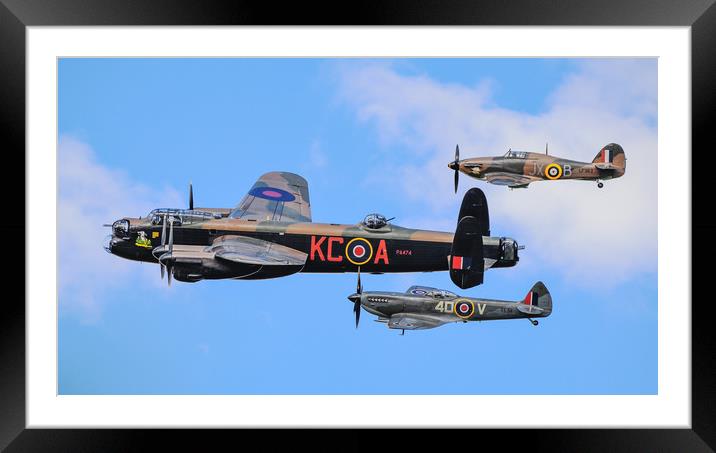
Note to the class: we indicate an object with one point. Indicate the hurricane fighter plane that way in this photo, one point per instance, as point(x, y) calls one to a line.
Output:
point(270, 234)
point(421, 307)
point(517, 169)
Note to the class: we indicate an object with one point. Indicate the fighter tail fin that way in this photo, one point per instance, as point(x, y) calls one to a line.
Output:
point(611, 154)
point(539, 297)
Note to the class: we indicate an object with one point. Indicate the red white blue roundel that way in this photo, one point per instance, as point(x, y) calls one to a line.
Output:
point(359, 251)
point(464, 309)
point(271, 193)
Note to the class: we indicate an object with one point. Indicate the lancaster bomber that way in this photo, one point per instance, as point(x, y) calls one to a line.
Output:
point(517, 169)
point(271, 234)
point(422, 307)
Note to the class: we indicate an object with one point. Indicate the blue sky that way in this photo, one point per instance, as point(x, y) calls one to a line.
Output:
point(368, 135)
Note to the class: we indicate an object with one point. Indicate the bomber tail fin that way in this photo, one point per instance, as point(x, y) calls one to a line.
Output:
point(611, 155)
point(538, 301)
point(474, 204)
point(466, 260)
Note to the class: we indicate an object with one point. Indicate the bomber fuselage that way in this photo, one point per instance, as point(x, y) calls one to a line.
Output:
point(330, 247)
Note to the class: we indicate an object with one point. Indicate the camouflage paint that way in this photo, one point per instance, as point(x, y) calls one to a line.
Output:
point(521, 171)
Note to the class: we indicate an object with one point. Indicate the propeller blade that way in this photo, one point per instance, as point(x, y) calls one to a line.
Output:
point(356, 310)
point(171, 234)
point(456, 166)
point(191, 197)
point(359, 286)
point(164, 230)
point(171, 249)
point(163, 241)
point(356, 300)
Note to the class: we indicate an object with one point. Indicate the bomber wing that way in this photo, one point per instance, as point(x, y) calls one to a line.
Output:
point(247, 250)
point(277, 196)
point(414, 321)
point(244, 257)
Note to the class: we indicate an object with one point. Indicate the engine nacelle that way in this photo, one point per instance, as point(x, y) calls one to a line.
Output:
point(183, 275)
point(509, 252)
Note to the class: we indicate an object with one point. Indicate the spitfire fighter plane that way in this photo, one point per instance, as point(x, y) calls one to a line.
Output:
point(517, 169)
point(271, 234)
point(421, 307)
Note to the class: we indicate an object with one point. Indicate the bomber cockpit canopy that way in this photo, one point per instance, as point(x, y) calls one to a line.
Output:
point(515, 154)
point(435, 293)
point(375, 221)
point(181, 216)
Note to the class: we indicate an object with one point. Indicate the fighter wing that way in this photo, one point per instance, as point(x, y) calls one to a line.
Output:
point(277, 196)
point(246, 250)
point(414, 321)
point(509, 179)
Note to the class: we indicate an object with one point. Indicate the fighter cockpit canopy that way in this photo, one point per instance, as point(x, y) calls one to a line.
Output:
point(375, 221)
point(515, 154)
point(435, 293)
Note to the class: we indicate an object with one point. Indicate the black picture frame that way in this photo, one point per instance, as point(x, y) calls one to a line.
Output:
point(700, 15)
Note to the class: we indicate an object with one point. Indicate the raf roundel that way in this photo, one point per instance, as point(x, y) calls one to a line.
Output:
point(359, 251)
point(272, 193)
point(553, 171)
point(464, 308)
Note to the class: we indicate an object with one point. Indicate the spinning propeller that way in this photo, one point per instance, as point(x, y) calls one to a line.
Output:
point(456, 166)
point(355, 298)
point(166, 259)
point(164, 240)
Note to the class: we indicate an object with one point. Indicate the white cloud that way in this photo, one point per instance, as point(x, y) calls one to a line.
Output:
point(590, 235)
point(626, 86)
point(90, 195)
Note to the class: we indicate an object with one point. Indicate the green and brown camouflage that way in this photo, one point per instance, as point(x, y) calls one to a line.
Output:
point(517, 169)
point(271, 234)
point(422, 307)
